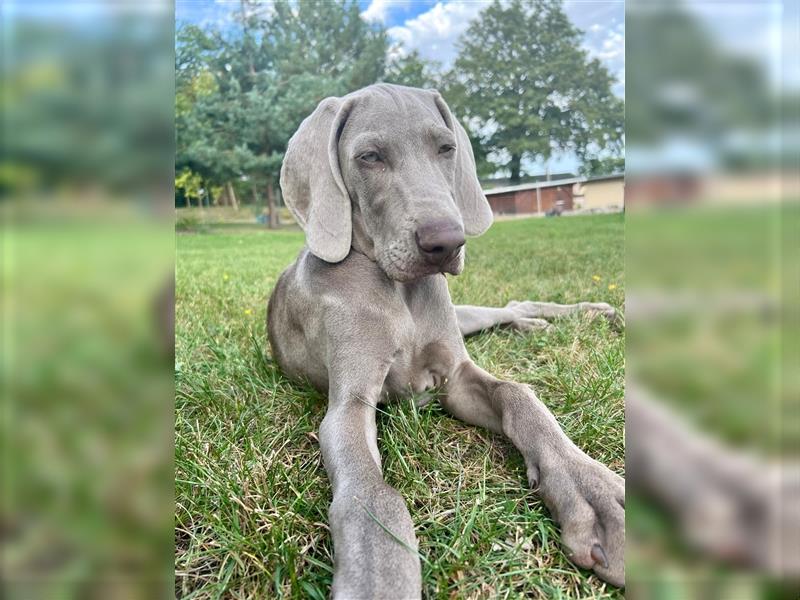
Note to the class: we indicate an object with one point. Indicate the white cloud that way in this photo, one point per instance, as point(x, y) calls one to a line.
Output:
point(434, 33)
point(377, 10)
point(613, 47)
point(607, 43)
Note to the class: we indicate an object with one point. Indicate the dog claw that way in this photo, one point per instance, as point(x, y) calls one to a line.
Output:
point(533, 477)
point(599, 555)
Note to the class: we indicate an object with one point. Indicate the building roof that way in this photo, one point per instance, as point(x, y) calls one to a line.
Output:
point(494, 182)
point(532, 186)
point(604, 177)
point(547, 184)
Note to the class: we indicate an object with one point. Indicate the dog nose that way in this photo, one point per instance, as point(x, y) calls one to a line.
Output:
point(439, 240)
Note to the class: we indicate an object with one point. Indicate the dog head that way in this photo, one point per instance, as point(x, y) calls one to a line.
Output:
point(389, 171)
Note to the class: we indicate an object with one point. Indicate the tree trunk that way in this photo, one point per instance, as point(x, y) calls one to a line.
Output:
point(232, 196)
point(273, 211)
point(515, 166)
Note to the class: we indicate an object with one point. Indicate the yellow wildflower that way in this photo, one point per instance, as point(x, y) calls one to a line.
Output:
point(596, 277)
point(247, 311)
point(612, 286)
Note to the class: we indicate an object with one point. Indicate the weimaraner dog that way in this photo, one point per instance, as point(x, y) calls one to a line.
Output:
point(383, 183)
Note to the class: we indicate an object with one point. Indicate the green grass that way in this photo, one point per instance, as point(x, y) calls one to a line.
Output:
point(87, 417)
point(251, 492)
point(712, 365)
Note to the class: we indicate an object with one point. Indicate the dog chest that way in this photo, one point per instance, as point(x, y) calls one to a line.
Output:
point(430, 343)
point(419, 369)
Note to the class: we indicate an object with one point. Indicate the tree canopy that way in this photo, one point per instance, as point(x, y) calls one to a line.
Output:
point(242, 93)
point(414, 71)
point(683, 83)
point(528, 90)
point(80, 110)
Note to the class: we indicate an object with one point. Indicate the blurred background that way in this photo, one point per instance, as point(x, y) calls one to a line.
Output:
point(105, 104)
point(87, 101)
point(712, 384)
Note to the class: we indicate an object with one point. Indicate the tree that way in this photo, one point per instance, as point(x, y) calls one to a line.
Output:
point(683, 83)
point(190, 185)
point(196, 88)
point(318, 49)
point(269, 74)
point(414, 71)
point(528, 90)
point(603, 166)
point(80, 110)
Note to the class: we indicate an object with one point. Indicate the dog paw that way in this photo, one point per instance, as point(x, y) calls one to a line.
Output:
point(752, 520)
point(608, 312)
point(526, 318)
point(588, 501)
point(529, 324)
point(539, 311)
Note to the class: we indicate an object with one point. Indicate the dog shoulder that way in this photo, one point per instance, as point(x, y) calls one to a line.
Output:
point(354, 280)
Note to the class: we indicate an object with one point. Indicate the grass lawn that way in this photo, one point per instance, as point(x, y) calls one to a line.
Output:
point(251, 493)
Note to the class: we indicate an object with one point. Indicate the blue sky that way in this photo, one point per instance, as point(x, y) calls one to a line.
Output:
point(433, 26)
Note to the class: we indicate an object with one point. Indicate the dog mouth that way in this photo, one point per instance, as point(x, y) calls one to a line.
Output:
point(404, 265)
point(454, 263)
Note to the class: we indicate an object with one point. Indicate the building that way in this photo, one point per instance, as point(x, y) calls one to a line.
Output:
point(488, 183)
point(532, 198)
point(600, 193)
point(605, 193)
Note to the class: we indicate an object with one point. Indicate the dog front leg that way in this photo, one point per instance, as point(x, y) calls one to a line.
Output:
point(375, 550)
point(551, 310)
point(474, 319)
point(584, 496)
point(528, 316)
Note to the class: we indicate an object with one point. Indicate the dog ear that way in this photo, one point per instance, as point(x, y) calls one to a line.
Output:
point(312, 184)
point(471, 201)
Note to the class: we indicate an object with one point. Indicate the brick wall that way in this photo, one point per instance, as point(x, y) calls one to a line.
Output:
point(524, 201)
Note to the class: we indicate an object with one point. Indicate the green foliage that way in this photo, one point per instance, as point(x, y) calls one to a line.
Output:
point(603, 166)
point(414, 71)
point(528, 90)
point(189, 183)
point(681, 83)
point(326, 41)
point(193, 78)
point(189, 221)
point(86, 110)
point(242, 95)
point(201, 85)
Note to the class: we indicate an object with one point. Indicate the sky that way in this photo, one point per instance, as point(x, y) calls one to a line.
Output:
point(763, 31)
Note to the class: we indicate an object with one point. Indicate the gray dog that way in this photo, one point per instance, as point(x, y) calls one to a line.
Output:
point(383, 183)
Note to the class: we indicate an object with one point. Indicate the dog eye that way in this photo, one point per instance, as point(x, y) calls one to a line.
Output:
point(370, 157)
point(446, 148)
